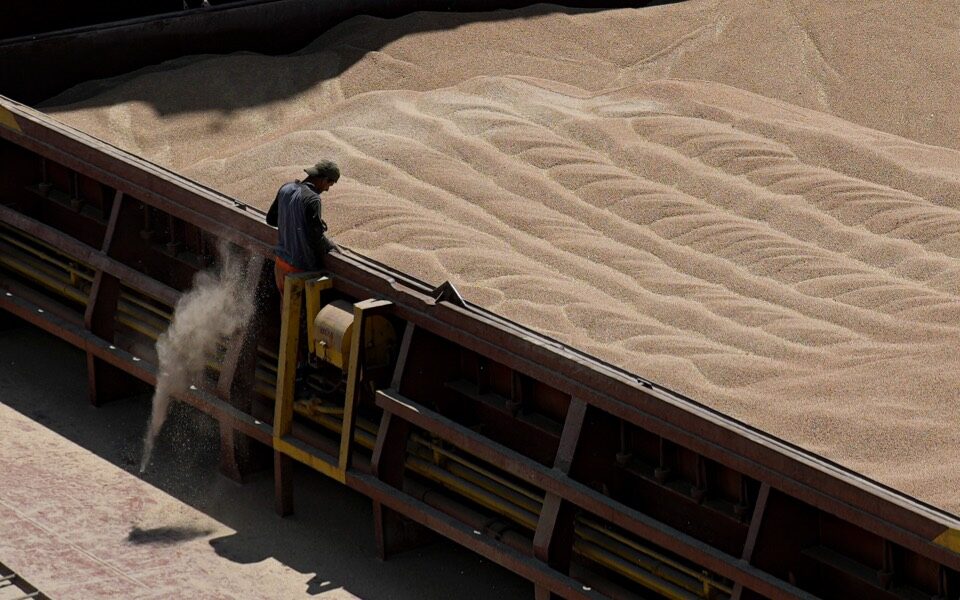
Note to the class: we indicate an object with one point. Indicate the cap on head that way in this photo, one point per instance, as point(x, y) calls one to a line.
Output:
point(325, 169)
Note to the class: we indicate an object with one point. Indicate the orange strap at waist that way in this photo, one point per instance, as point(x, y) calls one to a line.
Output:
point(285, 266)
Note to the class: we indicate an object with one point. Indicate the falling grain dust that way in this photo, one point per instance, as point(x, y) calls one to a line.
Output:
point(217, 306)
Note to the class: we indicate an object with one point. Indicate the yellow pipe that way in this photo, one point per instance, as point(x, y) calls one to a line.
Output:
point(154, 324)
point(45, 279)
point(589, 523)
point(665, 569)
point(475, 493)
point(163, 314)
point(86, 274)
point(475, 475)
point(265, 377)
point(618, 565)
point(456, 457)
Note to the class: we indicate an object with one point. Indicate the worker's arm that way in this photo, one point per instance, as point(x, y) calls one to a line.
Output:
point(317, 226)
point(272, 213)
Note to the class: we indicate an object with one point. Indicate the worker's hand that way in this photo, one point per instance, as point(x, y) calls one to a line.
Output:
point(330, 246)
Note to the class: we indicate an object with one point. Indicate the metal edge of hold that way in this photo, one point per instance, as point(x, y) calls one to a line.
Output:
point(949, 539)
point(8, 120)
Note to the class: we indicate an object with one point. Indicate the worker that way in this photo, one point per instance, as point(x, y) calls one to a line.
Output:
point(295, 212)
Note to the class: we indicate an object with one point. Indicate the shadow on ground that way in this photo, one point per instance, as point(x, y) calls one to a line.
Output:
point(166, 535)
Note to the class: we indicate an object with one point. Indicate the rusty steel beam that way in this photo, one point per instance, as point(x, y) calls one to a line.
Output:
point(236, 380)
point(393, 532)
point(759, 512)
point(553, 539)
point(104, 381)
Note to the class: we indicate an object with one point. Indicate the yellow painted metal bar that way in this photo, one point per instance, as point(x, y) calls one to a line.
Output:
point(662, 567)
point(146, 318)
point(307, 410)
point(311, 460)
point(8, 120)
point(314, 287)
point(361, 310)
point(362, 437)
point(473, 492)
point(45, 278)
point(287, 364)
point(950, 539)
point(600, 529)
point(159, 312)
point(494, 487)
point(353, 384)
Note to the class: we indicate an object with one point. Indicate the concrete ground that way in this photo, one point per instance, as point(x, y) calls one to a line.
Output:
point(78, 522)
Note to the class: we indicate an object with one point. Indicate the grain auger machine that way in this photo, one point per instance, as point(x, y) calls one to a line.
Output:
point(334, 355)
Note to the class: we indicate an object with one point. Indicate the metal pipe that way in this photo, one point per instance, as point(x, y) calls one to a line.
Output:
point(65, 265)
point(597, 527)
point(662, 567)
point(618, 565)
point(41, 275)
point(479, 521)
point(468, 490)
point(456, 457)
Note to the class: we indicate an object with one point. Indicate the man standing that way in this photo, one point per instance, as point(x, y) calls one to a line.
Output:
point(295, 212)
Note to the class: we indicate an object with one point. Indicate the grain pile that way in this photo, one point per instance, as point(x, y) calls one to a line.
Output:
point(756, 204)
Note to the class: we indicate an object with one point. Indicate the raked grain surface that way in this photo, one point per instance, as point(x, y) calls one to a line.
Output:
point(756, 204)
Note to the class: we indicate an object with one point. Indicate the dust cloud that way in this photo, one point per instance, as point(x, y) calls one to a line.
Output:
point(218, 306)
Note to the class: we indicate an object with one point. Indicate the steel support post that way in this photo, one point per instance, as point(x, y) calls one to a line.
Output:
point(291, 307)
point(739, 592)
point(361, 311)
point(553, 539)
point(106, 382)
point(394, 532)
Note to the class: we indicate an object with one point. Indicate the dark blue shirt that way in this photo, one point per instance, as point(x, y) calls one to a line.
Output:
point(296, 214)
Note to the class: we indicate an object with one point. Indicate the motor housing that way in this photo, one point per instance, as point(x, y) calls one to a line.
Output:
point(333, 333)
